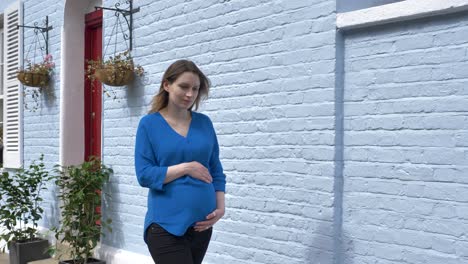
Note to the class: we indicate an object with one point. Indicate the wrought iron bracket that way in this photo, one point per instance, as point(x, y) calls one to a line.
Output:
point(125, 12)
point(41, 30)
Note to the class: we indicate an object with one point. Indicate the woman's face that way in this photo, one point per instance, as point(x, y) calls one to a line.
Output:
point(184, 90)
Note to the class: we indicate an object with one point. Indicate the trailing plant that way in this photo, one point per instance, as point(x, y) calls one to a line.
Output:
point(20, 200)
point(80, 194)
point(118, 70)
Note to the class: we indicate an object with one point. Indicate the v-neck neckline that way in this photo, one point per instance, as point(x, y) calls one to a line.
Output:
point(175, 131)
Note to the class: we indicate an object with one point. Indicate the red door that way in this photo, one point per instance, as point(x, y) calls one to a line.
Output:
point(93, 93)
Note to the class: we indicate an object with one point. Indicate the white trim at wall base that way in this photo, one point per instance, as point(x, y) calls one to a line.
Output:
point(107, 253)
point(396, 12)
point(119, 256)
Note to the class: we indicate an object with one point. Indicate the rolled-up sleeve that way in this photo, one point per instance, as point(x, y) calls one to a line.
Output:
point(148, 173)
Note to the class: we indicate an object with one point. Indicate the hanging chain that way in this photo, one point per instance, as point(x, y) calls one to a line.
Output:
point(118, 28)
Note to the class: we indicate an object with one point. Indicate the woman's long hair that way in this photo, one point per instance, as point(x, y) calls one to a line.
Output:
point(161, 99)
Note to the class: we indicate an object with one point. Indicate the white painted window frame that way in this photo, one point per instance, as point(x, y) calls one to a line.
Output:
point(397, 12)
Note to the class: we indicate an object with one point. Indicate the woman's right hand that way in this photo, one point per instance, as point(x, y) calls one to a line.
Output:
point(198, 171)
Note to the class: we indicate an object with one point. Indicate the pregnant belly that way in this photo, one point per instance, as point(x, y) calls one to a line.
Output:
point(186, 199)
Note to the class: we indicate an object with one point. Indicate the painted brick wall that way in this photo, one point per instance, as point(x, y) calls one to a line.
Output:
point(41, 127)
point(272, 104)
point(273, 68)
point(405, 138)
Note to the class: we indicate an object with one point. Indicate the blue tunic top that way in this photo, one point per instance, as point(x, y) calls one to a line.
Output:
point(179, 204)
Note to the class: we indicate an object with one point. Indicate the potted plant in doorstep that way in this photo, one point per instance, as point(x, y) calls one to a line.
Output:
point(20, 211)
point(81, 222)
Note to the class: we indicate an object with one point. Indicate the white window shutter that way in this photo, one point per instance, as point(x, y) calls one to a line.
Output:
point(12, 95)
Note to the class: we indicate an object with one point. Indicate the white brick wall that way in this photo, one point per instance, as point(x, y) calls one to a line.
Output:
point(405, 142)
point(41, 128)
point(273, 67)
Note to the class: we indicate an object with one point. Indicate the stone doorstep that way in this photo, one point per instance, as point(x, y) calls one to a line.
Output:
point(65, 256)
point(5, 260)
point(45, 261)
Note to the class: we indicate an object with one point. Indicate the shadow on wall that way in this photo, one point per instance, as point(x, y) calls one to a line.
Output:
point(52, 215)
point(115, 238)
point(348, 249)
point(135, 95)
point(50, 97)
point(321, 249)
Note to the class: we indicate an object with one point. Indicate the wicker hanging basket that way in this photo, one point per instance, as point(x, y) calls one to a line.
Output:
point(114, 77)
point(33, 79)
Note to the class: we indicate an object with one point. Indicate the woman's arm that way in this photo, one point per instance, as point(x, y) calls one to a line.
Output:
point(148, 173)
point(220, 202)
point(214, 216)
point(194, 169)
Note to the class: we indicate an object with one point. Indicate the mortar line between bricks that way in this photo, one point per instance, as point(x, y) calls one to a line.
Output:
point(393, 85)
point(414, 98)
point(419, 66)
point(399, 196)
point(356, 40)
point(417, 232)
point(415, 114)
point(266, 45)
point(415, 51)
point(338, 185)
point(304, 204)
point(262, 187)
point(241, 10)
point(245, 34)
point(402, 52)
point(405, 130)
point(404, 181)
point(426, 251)
point(276, 215)
point(249, 236)
point(406, 164)
point(373, 213)
point(399, 147)
point(300, 92)
point(270, 239)
point(254, 249)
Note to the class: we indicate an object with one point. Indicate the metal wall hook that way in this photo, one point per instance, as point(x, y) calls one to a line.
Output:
point(125, 12)
point(41, 30)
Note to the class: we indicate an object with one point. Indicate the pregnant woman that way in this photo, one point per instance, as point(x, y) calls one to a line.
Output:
point(177, 158)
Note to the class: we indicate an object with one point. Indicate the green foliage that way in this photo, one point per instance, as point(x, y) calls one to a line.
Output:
point(80, 192)
point(20, 202)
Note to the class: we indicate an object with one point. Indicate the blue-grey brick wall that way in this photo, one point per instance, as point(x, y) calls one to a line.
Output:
point(272, 68)
point(405, 142)
point(41, 127)
point(338, 149)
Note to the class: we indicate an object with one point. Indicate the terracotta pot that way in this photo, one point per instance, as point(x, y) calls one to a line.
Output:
point(114, 78)
point(33, 79)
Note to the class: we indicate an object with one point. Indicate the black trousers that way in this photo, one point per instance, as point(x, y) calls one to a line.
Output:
point(165, 248)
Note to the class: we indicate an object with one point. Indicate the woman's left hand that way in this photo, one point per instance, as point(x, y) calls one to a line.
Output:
point(211, 219)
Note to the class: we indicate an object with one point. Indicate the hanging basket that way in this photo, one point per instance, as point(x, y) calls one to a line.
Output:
point(114, 77)
point(33, 79)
